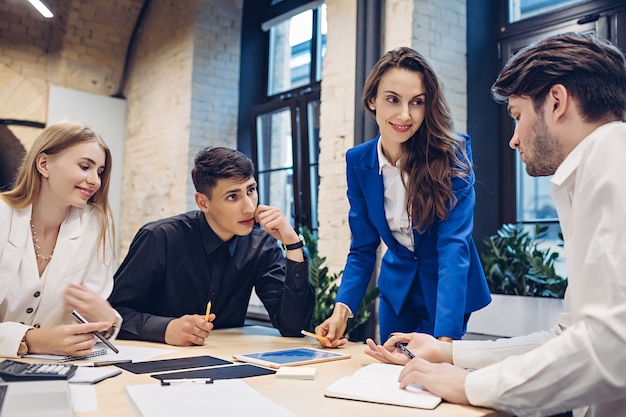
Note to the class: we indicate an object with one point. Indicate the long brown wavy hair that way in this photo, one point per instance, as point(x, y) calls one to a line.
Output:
point(53, 140)
point(435, 153)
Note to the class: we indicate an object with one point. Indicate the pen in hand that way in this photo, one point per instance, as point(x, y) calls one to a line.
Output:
point(316, 336)
point(96, 333)
point(208, 311)
point(404, 350)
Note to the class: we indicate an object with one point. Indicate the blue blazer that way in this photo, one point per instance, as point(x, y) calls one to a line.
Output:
point(444, 260)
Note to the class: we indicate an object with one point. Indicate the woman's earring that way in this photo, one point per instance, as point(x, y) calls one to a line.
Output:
point(372, 108)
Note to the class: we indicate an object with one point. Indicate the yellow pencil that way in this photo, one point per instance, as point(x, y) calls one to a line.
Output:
point(316, 336)
point(208, 311)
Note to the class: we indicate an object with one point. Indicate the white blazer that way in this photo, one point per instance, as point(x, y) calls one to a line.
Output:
point(27, 301)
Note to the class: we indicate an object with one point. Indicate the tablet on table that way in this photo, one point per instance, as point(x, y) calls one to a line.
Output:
point(291, 357)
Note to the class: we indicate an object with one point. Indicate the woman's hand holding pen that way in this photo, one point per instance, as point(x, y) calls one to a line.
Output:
point(189, 330)
point(419, 344)
point(333, 328)
point(69, 339)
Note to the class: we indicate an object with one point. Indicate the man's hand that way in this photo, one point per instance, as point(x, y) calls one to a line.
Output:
point(188, 330)
point(276, 224)
point(420, 344)
point(442, 379)
point(334, 327)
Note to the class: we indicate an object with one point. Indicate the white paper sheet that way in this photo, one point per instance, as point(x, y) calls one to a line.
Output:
point(222, 398)
point(83, 397)
point(86, 375)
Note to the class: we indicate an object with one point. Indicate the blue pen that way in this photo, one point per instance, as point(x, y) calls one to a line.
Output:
point(403, 348)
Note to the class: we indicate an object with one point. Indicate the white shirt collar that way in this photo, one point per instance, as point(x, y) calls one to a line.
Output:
point(382, 159)
point(571, 161)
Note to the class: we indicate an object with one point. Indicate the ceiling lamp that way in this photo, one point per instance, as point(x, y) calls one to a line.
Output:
point(41, 8)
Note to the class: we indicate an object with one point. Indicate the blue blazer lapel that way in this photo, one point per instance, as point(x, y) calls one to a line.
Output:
point(372, 181)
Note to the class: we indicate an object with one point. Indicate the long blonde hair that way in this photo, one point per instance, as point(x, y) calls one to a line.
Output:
point(53, 140)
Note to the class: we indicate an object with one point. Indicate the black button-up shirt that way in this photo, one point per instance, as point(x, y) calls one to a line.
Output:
point(176, 265)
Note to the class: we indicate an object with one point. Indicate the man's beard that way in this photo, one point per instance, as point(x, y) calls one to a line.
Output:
point(545, 151)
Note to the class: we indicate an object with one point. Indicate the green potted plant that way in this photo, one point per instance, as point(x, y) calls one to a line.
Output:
point(326, 286)
point(527, 292)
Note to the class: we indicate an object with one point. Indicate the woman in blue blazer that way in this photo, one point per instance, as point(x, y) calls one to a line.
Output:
point(413, 187)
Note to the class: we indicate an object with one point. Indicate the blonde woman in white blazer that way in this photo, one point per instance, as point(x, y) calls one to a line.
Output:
point(56, 246)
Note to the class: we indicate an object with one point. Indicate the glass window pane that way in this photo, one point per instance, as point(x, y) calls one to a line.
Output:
point(290, 53)
point(274, 140)
point(523, 9)
point(275, 160)
point(276, 189)
point(313, 114)
point(534, 201)
point(321, 42)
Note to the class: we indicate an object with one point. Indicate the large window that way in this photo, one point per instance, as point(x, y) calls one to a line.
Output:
point(524, 9)
point(286, 124)
point(533, 201)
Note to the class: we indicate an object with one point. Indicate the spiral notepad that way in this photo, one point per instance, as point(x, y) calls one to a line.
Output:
point(98, 350)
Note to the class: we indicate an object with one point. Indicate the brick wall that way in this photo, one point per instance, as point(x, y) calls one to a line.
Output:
point(215, 80)
point(439, 33)
point(23, 63)
point(182, 95)
point(83, 51)
point(399, 16)
point(336, 131)
point(158, 95)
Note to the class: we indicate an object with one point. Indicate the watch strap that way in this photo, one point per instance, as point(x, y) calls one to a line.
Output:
point(299, 244)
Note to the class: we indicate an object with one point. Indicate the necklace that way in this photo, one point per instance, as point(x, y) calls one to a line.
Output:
point(36, 244)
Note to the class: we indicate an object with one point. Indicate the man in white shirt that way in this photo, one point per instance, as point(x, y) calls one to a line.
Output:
point(567, 94)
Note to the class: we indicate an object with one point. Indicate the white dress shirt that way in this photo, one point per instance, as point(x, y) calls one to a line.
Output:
point(395, 200)
point(581, 364)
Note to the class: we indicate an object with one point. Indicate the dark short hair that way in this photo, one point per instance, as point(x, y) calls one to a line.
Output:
point(214, 163)
point(591, 69)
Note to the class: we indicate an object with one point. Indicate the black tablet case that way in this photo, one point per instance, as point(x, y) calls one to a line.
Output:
point(172, 364)
point(220, 372)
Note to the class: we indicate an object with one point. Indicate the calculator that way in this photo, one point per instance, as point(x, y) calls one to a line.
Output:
point(11, 370)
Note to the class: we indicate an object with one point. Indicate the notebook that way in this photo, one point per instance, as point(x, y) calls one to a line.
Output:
point(378, 383)
point(98, 350)
point(35, 399)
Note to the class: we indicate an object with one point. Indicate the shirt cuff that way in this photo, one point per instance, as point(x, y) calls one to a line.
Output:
point(346, 306)
point(481, 386)
point(113, 331)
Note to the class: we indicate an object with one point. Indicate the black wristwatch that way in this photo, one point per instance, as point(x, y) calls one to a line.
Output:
point(300, 243)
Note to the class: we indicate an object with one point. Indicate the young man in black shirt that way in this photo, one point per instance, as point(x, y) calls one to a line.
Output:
point(218, 253)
